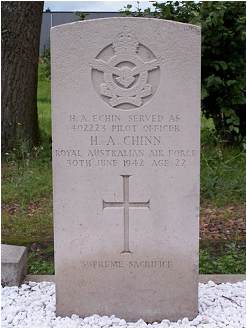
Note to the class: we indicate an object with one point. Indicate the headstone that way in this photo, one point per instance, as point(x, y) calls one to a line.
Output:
point(13, 264)
point(126, 123)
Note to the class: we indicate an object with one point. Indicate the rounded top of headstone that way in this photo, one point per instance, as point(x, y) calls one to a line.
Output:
point(115, 20)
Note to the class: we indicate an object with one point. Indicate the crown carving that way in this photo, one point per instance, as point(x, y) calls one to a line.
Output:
point(125, 42)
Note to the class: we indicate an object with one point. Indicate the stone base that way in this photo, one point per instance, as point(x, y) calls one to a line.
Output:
point(203, 278)
point(13, 264)
point(221, 278)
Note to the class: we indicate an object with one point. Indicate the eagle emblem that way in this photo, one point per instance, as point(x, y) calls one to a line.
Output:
point(126, 73)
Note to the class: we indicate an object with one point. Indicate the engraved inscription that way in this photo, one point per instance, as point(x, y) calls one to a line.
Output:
point(127, 140)
point(126, 204)
point(125, 82)
point(132, 264)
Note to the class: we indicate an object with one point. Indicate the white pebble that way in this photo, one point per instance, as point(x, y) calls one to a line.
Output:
point(33, 305)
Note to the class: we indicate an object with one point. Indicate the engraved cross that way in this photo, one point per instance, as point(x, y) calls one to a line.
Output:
point(126, 204)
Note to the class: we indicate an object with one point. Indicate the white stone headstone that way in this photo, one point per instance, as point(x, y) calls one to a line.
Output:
point(126, 130)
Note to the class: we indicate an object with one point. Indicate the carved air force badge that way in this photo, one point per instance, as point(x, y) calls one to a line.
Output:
point(125, 73)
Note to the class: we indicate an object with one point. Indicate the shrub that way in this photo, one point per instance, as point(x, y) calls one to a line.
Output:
point(223, 58)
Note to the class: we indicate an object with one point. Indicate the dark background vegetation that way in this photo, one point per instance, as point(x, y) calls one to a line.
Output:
point(26, 166)
point(223, 57)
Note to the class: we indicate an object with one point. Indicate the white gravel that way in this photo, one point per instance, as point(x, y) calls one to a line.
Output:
point(33, 305)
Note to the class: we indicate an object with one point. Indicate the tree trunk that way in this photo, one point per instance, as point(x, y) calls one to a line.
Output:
point(21, 24)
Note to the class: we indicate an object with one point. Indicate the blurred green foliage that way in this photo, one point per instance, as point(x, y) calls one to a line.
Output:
point(223, 66)
point(223, 57)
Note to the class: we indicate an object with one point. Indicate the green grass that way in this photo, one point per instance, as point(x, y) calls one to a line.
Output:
point(27, 184)
point(226, 258)
point(222, 174)
point(44, 104)
point(27, 193)
point(27, 215)
point(41, 261)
